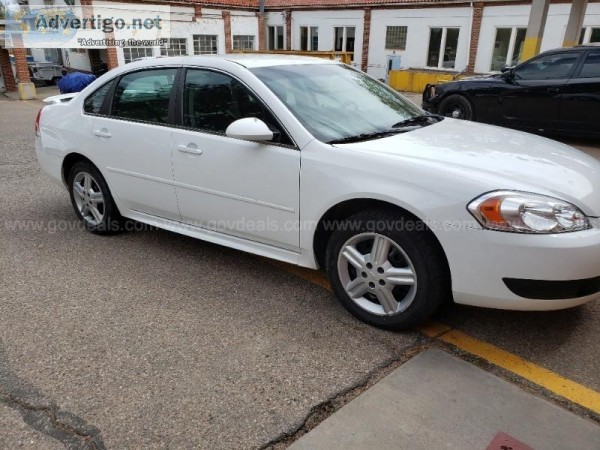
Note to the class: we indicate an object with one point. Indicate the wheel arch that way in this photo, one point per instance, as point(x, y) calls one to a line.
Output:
point(347, 208)
point(70, 160)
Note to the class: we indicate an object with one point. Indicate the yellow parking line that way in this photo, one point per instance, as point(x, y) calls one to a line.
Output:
point(541, 376)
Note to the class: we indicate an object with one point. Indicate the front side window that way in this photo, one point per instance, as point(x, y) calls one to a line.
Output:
point(334, 101)
point(549, 67)
point(205, 44)
point(591, 66)
point(443, 45)
point(243, 42)
point(144, 95)
point(93, 103)
point(213, 100)
point(395, 38)
point(275, 38)
point(174, 47)
point(508, 47)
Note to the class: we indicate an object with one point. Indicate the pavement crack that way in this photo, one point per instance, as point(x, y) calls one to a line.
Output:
point(323, 410)
point(44, 415)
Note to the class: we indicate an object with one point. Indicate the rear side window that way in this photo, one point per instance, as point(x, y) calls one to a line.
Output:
point(93, 104)
point(144, 96)
point(591, 66)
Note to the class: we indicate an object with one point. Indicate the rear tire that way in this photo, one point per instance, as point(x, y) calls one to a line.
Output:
point(457, 107)
point(92, 200)
point(387, 269)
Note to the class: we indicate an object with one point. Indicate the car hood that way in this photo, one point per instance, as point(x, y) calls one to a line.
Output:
point(492, 158)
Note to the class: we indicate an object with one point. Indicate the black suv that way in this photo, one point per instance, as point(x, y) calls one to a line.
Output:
point(556, 92)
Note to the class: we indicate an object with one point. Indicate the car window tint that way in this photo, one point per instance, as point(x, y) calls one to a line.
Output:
point(549, 67)
point(591, 66)
point(212, 101)
point(144, 95)
point(93, 103)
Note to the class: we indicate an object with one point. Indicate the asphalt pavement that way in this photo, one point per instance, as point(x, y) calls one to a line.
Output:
point(152, 339)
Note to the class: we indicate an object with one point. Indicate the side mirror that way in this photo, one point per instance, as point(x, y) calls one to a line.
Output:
point(505, 68)
point(249, 129)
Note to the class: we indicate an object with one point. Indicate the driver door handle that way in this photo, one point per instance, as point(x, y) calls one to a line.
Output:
point(190, 150)
point(553, 90)
point(103, 133)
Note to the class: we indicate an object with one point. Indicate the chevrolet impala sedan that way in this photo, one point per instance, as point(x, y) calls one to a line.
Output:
point(314, 163)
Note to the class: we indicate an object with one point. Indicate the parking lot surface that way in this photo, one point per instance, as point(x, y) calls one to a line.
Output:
point(152, 339)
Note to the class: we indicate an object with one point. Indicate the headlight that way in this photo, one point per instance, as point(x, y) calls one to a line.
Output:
point(432, 91)
point(521, 212)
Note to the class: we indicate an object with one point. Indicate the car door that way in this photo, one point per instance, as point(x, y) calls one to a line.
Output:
point(132, 141)
point(532, 99)
point(236, 187)
point(580, 99)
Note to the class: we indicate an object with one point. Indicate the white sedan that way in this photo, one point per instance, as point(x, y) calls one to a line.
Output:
point(314, 163)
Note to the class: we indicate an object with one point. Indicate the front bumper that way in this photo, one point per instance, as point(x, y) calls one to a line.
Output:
point(555, 271)
point(429, 107)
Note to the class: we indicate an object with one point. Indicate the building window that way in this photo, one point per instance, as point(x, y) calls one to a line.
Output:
point(395, 38)
point(309, 38)
point(508, 47)
point(344, 39)
point(133, 53)
point(443, 44)
point(205, 44)
point(275, 37)
point(243, 42)
point(174, 47)
point(589, 35)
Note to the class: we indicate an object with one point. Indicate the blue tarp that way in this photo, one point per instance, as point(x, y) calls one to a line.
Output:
point(74, 82)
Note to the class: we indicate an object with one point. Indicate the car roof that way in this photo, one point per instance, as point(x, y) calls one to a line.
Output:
point(248, 60)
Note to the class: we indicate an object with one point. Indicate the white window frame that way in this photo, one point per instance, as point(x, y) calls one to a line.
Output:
point(511, 44)
point(181, 45)
point(274, 44)
point(442, 49)
point(401, 47)
point(238, 36)
point(196, 44)
point(345, 36)
point(137, 49)
point(309, 37)
point(587, 35)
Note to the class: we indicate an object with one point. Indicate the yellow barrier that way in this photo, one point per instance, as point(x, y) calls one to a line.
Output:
point(345, 57)
point(416, 80)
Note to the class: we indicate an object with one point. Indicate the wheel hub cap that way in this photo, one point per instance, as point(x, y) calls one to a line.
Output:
point(377, 274)
point(88, 198)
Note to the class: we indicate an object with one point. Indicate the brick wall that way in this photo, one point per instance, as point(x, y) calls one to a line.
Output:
point(288, 29)
point(111, 54)
point(261, 32)
point(366, 37)
point(475, 32)
point(197, 12)
point(6, 70)
point(227, 29)
point(21, 65)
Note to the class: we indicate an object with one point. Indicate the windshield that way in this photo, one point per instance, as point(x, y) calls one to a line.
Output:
point(335, 102)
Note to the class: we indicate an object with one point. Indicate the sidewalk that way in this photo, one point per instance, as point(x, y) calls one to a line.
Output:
point(438, 401)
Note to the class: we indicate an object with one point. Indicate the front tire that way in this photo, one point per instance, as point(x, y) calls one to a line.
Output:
point(387, 270)
point(457, 107)
point(92, 200)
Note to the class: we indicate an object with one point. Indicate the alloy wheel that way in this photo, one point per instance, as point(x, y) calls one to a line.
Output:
point(377, 274)
point(88, 198)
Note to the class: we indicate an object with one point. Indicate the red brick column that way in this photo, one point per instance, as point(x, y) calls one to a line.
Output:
point(288, 29)
point(261, 32)
point(227, 31)
point(21, 65)
point(475, 32)
point(366, 36)
point(197, 12)
point(111, 53)
point(6, 71)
